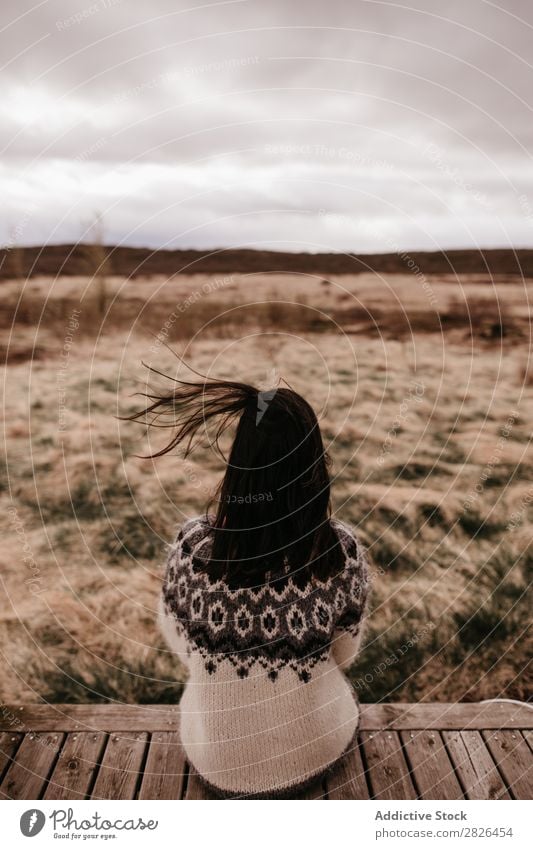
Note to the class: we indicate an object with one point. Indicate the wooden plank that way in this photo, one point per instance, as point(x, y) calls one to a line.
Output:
point(514, 760)
point(164, 772)
point(348, 781)
point(9, 744)
point(76, 766)
point(34, 761)
point(121, 768)
point(387, 771)
point(396, 716)
point(87, 717)
point(528, 736)
point(474, 765)
point(431, 768)
point(196, 789)
point(440, 715)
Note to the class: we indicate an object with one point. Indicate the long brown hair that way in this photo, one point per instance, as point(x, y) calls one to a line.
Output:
point(273, 503)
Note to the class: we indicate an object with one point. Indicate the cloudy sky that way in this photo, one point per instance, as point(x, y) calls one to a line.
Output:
point(304, 125)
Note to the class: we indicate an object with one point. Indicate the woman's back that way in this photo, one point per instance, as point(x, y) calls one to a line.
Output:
point(267, 707)
point(263, 601)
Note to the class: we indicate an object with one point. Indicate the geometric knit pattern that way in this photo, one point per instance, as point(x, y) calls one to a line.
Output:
point(287, 622)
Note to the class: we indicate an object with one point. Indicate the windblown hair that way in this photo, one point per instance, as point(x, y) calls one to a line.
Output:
point(273, 503)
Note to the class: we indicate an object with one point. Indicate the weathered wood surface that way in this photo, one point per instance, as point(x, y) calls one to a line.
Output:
point(423, 751)
point(89, 718)
point(9, 743)
point(388, 771)
point(31, 766)
point(513, 758)
point(431, 768)
point(396, 716)
point(474, 765)
point(77, 766)
point(121, 771)
point(165, 770)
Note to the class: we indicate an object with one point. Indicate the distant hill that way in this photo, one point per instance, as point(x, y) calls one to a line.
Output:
point(134, 262)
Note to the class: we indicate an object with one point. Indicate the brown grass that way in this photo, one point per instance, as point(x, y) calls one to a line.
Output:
point(394, 308)
point(91, 521)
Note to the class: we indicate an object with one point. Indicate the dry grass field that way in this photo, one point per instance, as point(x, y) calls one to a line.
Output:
point(424, 392)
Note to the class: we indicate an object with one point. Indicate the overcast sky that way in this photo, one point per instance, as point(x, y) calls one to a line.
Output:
point(303, 125)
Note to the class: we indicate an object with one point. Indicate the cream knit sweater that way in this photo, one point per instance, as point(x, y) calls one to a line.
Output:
point(267, 707)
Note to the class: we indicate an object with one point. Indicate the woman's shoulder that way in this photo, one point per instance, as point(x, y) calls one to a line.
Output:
point(197, 525)
point(355, 578)
point(356, 571)
point(350, 543)
point(192, 534)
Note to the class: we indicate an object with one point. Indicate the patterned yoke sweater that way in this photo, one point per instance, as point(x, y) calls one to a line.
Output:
point(267, 708)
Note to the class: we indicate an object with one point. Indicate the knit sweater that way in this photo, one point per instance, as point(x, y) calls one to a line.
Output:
point(267, 707)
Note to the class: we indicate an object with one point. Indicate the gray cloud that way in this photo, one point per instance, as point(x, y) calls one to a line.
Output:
point(302, 125)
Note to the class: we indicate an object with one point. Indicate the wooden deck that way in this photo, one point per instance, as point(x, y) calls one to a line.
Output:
point(404, 751)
